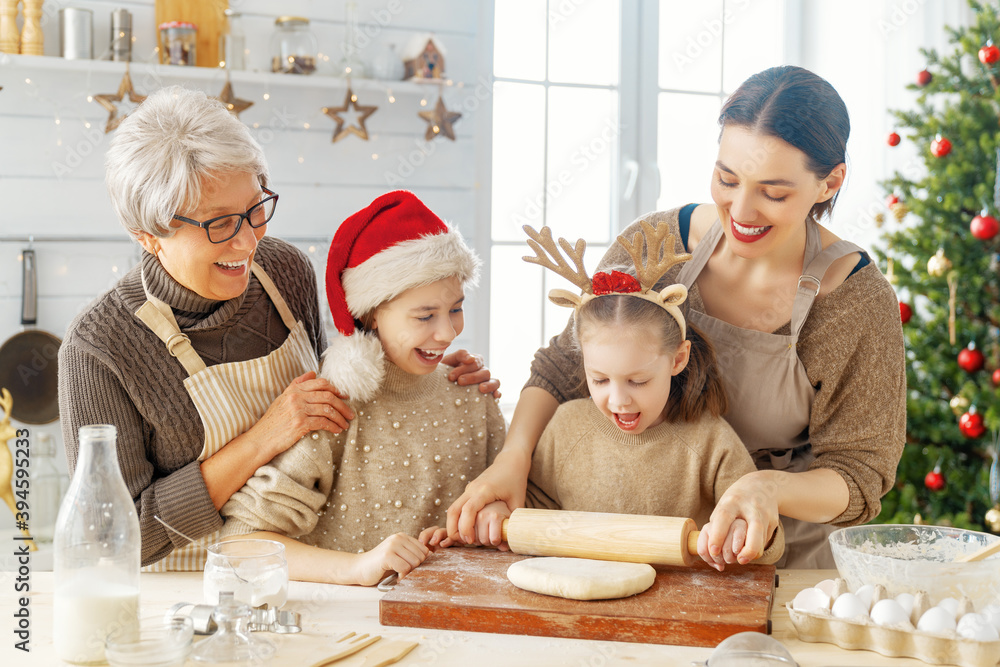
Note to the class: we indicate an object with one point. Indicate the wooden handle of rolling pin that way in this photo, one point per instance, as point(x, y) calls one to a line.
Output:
point(657, 540)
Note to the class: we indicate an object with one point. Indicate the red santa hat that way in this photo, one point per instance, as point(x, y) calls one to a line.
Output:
point(394, 244)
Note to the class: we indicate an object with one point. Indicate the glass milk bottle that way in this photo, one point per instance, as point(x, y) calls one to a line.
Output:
point(96, 553)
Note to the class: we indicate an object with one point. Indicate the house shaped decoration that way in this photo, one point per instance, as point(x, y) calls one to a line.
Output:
point(424, 59)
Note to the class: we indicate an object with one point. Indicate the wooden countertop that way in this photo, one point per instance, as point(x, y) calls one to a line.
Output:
point(329, 611)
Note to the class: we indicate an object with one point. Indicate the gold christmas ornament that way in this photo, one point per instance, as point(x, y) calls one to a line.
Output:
point(362, 111)
point(959, 404)
point(235, 105)
point(439, 121)
point(992, 518)
point(899, 210)
point(108, 101)
point(879, 220)
point(938, 265)
point(952, 299)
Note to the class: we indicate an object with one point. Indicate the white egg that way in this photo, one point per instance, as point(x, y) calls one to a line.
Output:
point(905, 601)
point(827, 586)
point(811, 599)
point(849, 606)
point(950, 605)
point(866, 594)
point(889, 612)
point(936, 620)
point(978, 627)
point(992, 614)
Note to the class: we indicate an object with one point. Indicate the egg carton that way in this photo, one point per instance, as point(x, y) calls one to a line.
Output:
point(898, 641)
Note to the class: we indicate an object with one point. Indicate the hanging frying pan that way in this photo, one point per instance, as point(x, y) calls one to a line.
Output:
point(29, 359)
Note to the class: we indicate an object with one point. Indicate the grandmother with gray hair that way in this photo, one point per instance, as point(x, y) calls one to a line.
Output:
point(204, 355)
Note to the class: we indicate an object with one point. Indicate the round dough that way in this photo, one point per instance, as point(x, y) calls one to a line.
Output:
point(581, 578)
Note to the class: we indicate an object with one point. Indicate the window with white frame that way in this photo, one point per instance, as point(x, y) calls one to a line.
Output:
point(603, 110)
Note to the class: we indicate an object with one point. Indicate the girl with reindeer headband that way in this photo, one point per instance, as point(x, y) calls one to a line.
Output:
point(650, 439)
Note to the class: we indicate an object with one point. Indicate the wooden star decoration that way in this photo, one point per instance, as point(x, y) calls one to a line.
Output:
point(362, 111)
point(108, 101)
point(235, 105)
point(439, 121)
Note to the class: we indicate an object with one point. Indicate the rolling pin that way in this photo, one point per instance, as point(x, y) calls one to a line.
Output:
point(657, 540)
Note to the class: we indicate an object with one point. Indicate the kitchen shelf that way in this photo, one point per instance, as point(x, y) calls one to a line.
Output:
point(34, 65)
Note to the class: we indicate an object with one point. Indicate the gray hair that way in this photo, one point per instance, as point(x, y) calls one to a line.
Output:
point(163, 152)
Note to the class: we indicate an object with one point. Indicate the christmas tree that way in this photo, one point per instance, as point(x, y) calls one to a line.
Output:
point(943, 259)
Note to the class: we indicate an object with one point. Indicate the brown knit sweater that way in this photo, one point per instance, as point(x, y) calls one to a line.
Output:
point(583, 462)
point(852, 349)
point(405, 458)
point(114, 370)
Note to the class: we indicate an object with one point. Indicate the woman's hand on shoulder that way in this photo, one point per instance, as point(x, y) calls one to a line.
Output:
point(309, 403)
point(742, 523)
point(397, 553)
point(470, 369)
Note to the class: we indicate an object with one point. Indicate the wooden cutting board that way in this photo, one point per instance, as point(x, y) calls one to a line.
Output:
point(467, 589)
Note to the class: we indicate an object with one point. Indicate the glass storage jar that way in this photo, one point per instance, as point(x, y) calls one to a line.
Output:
point(293, 46)
point(178, 43)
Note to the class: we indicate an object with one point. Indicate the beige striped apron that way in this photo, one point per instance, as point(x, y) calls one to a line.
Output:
point(770, 395)
point(231, 397)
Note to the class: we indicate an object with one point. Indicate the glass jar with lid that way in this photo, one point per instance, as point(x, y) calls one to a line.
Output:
point(178, 43)
point(293, 46)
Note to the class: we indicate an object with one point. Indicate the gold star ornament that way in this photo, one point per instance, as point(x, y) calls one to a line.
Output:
point(235, 105)
point(109, 102)
point(439, 121)
point(361, 111)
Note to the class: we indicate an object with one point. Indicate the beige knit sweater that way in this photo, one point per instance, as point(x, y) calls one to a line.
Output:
point(583, 462)
point(407, 455)
point(852, 348)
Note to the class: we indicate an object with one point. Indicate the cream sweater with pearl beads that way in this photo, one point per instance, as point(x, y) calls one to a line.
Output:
point(408, 453)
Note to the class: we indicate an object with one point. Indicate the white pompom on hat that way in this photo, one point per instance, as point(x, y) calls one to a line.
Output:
point(394, 244)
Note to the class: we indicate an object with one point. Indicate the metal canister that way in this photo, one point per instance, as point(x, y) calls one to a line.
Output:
point(121, 35)
point(76, 33)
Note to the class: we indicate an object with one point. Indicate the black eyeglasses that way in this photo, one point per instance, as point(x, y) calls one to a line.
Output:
point(225, 227)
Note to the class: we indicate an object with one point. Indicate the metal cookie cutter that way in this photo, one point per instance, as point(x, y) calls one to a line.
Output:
point(261, 619)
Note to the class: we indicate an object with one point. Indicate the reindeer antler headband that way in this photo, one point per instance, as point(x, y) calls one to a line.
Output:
point(659, 259)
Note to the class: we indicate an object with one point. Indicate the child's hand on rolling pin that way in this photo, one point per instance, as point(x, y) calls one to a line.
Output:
point(489, 525)
point(435, 538)
point(734, 547)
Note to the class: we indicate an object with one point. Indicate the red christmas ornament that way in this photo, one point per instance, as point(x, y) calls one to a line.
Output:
point(934, 479)
point(905, 312)
point(989, 54)
point(890, 200)
point(615, 282)
point(894, 139)
point(996, 378)
point(924, 77)
point(940, 147)
point(984, 227)
point(970, 359)
point(971, 424)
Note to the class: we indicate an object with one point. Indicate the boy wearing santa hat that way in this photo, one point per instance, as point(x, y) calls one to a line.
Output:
point(369, 500)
